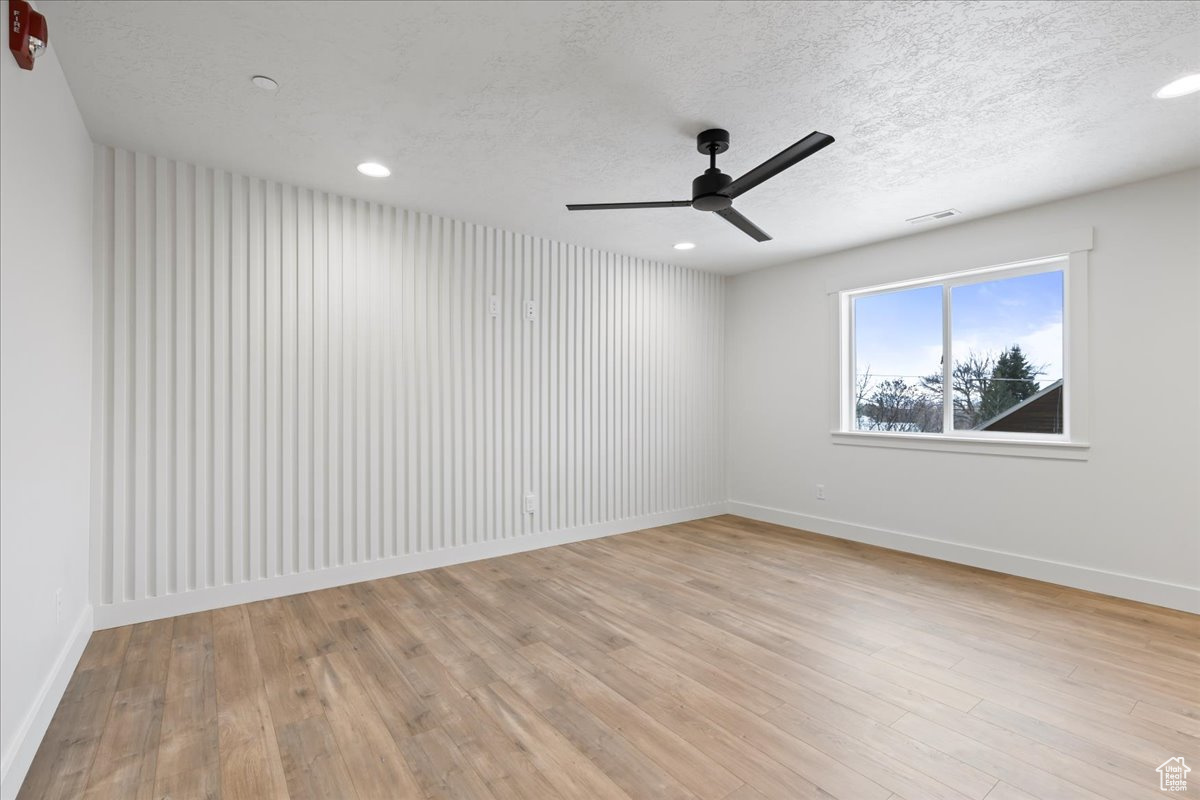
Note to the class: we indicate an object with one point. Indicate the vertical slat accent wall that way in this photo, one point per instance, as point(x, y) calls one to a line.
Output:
point(289, 381)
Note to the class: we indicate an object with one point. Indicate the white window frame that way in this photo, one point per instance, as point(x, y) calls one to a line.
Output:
point(1072, 443)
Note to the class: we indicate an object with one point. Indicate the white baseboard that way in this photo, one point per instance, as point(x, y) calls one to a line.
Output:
point(1130, 587)
point(21, 751)
point(127, 613)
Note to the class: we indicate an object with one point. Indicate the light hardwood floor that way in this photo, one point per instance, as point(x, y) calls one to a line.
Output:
point(720, 659)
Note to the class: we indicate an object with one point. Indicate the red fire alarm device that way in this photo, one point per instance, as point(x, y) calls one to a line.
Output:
point(27, 36)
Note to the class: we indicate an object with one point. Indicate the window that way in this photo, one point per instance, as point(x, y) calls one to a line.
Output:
point(897, 361)
point(1006, 343)
point(979, 356)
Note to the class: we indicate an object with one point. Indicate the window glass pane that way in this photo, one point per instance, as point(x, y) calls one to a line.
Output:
point(1007, 345)
point(898, 361)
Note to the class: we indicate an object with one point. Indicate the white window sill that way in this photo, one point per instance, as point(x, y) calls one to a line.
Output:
point(1019, 448)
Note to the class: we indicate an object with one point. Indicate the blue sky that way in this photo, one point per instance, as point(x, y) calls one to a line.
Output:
point(900, 333)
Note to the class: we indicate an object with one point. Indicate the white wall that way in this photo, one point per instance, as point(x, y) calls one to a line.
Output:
point(1126, 521)
point(299, 389)
point(45, 399)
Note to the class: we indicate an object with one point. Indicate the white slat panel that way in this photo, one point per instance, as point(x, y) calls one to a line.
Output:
point(305, 359)
point(336, 423)
point(389, 353)
point(288, 381)
point(272, 467)
point(179, 371)
point(103, 229)
point(358, 348)
point(491, 397)
point(145, 420)
point(258, 534)
point(552, 382)
point(377, 432)
point(222, 394)
point(320, 385)
point(420, 420)
point(408, 394)
point(122, 320)
point(166, 267)
point(456, 362)
point(201, 438)
point(239, 380)
point(289, 431)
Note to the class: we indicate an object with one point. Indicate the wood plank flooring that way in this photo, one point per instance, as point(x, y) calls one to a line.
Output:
point(723, 659)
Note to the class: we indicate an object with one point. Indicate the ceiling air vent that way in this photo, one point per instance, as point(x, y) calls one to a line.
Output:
point(937, 215)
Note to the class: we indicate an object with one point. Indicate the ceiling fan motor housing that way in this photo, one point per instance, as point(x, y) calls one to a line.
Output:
point(706, 188)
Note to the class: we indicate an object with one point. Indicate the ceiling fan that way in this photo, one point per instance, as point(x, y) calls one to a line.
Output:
point(715, 191)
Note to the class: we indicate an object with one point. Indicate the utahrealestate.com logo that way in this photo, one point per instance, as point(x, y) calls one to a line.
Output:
point(1172, 775)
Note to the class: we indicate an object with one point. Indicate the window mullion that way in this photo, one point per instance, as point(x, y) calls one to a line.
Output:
point(852, 379)
point(947, 365)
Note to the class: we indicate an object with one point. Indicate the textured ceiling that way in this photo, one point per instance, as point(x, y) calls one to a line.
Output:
point(501, 112)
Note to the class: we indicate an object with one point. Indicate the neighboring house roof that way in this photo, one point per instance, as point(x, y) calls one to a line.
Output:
point(1038, 413)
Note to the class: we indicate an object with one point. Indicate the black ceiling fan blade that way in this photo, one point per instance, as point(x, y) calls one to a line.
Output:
point(603, 206)
point(744, 225)
point(778, 163)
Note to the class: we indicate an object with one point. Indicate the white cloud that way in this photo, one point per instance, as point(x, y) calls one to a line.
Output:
point(1045, 347)
point(1042, 346)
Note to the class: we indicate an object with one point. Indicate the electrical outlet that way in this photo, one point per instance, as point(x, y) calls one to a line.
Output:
point(530, 503)
point(494, 306)
point(530, 310)
point(820, 491)
point(58, 605)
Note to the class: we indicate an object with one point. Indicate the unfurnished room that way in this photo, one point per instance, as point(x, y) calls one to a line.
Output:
point(597, 400)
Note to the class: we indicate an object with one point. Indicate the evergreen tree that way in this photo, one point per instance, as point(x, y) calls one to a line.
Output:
point(1013, 379)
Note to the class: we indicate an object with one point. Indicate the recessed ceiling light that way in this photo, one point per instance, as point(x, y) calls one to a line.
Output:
point(1185, 85)
point(264, 83)
point(373, 170)
point(685, 246)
